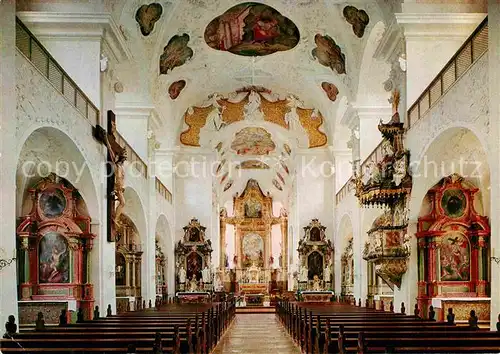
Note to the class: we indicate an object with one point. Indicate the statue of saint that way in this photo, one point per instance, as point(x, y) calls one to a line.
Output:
point(327, 274)
point(316, 284)
point(205, 273)
point(182, 275)
point(303, 274)
point(193, 284)
point(253, 113)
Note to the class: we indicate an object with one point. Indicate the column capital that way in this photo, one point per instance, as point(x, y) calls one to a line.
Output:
point(350, 118)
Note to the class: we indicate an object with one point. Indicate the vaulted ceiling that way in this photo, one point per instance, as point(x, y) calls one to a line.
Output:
point(200, 70)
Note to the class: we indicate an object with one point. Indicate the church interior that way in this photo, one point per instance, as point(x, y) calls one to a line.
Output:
point(221, 176)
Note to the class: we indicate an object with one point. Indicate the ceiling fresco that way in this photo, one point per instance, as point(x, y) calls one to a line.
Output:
point(329, 53)
point(331, 90)
point(253, 141)
point(176, 88)
point(252, 29)
point(253, 165)
point(219, 112)
point(176, 53)
point(146, 16)
point(359, 19)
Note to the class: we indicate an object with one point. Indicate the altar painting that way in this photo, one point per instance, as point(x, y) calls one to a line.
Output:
point(253, 209)
point(52, 203)
point(315, 265)
point(253, 250)
point(455, 257)
point(194, 263)
point(54, 259)
point(252, 29)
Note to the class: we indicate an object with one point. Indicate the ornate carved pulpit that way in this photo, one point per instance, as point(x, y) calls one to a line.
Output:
point(388, 184)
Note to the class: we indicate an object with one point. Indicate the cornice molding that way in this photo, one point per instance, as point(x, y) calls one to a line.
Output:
point(78, 26)
point(136, 110)
point(450, 26)
point(373, 112)
point(391, 43)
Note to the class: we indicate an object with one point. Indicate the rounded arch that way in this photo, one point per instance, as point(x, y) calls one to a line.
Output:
point(373, 72)
point(164, 235)
point(48, 150)
point(134, 209)
point(455, 150)
point(345, 231)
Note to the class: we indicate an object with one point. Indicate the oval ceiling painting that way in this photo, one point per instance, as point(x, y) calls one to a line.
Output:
point(252, 29)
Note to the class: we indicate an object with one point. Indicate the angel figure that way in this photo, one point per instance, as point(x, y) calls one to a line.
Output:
point(252, 109)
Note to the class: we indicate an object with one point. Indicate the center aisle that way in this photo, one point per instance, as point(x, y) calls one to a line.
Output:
point(256, 333)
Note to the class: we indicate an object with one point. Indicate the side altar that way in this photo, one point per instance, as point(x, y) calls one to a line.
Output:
point(193, 260)
point(315, 259)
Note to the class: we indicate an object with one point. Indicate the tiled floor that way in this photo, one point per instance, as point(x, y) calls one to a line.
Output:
point(256, 334)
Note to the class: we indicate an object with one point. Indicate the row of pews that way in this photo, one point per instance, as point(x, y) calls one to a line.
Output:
point(167, 328)
point(343, 328)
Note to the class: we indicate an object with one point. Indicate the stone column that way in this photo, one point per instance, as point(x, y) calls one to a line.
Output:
point(8, 163)
point(494, 151)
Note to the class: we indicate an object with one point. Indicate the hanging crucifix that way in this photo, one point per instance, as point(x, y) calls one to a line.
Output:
point(115, 176)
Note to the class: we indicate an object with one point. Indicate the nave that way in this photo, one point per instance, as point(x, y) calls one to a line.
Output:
point(256, 333)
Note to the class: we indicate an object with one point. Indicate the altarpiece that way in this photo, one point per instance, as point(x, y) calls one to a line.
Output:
point(55, 242)
point(453, 251)
point(193, 257)
point(256, 271)
point(315, 259)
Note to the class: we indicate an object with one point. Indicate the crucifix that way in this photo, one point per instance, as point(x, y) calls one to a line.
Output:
point(115, 175)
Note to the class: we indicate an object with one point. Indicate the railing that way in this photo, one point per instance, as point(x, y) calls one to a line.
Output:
point(163, 190)
point(473, 48)
point(55, 74)
point(375, 157)
point(343, 192)
point(132, 157)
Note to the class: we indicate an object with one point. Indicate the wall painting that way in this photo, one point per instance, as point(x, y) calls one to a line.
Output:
point(252, 29)
point(54, 258)
point(454, 257)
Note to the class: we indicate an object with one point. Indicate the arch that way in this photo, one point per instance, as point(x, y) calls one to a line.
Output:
point(134, 209)
point(457, 150)
point(48, 150)
point(163, 233)
point(373, 72)
point(345, 230)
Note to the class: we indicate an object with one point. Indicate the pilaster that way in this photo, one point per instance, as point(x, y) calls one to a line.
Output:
point(8, 163)
point(494, 151)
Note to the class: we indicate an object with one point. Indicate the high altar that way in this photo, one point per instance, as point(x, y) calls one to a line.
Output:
point(315, 259)
point(253, 220)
